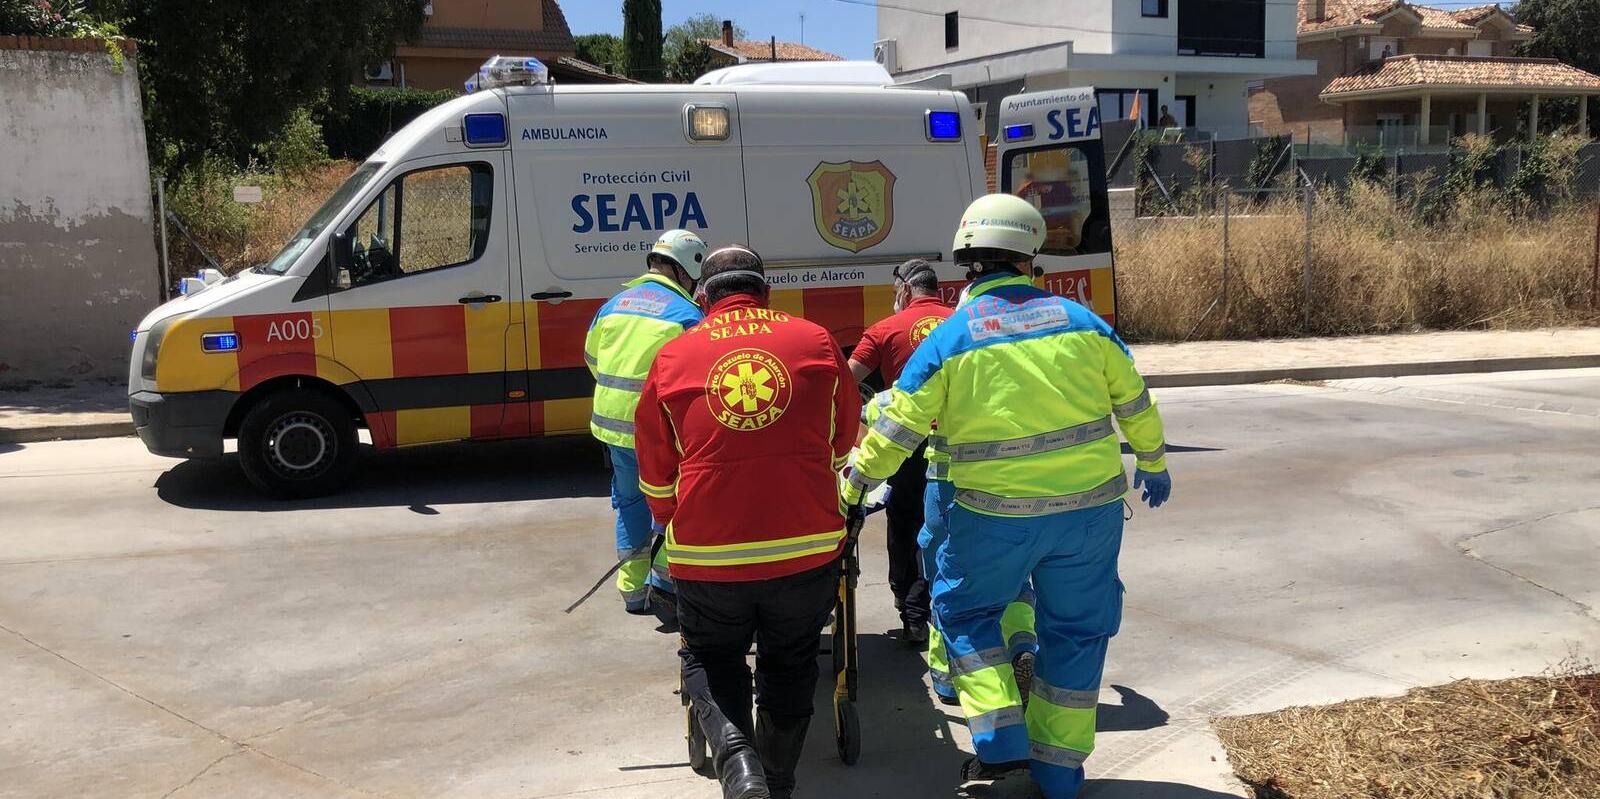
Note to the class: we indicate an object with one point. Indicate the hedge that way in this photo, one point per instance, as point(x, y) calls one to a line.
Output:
point(369, 116)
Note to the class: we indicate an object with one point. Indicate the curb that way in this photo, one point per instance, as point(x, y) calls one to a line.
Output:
point(73, 432)
point(65, 432)
point(1412, 369)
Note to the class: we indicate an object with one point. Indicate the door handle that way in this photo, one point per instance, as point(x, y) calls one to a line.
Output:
point(550, 295)
point(479, 298)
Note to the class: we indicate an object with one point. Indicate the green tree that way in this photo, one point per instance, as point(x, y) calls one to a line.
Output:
point(684, 50)
point(602, 49)
point(641, 37)
point(224, 78)
point(1568, 30)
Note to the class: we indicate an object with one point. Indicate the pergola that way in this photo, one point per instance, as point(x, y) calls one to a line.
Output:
point(1425, 77)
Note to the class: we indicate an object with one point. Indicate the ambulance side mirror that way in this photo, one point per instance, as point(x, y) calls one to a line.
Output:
point(340, 250)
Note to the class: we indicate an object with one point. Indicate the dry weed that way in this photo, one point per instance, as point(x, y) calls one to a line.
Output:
point(1524, 738)
point(1373, 269)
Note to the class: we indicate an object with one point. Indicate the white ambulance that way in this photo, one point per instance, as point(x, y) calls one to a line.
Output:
point(443, 292)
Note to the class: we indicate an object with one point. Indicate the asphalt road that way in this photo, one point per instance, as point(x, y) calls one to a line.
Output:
point(165, 633)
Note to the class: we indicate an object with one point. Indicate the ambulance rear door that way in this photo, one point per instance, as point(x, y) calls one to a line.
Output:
point(1050, 154)
point(601, 174)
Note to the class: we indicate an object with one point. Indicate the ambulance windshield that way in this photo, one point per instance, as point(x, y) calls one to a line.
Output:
point(298, 243)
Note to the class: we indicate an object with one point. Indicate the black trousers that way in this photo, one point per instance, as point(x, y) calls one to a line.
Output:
point(904, 510)
point(784, 616)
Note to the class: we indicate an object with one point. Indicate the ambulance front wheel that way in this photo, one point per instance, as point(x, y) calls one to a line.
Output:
point(298, 443)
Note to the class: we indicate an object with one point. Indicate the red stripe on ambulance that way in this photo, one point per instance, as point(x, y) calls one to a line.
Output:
point(430, 340)
point(839, 310)
point(276, 344)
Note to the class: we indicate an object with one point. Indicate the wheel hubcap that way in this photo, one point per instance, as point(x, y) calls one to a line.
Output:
point(300, 445)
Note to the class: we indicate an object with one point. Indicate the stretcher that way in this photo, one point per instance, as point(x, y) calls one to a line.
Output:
point(846, 720)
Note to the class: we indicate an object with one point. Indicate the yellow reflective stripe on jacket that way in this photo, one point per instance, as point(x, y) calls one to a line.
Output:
point(659, 492)
point(1014, 424)
point(744, 553)
point(622, 342)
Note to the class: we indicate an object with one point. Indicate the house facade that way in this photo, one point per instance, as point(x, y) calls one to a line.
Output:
point(459, 35)
point(1394, 73)
point(726, 52)
point(1193, 58)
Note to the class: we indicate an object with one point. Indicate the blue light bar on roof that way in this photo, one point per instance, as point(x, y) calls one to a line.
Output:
point(1021, 132)
point(483, 130)
point(944, 126)
point(219, 342)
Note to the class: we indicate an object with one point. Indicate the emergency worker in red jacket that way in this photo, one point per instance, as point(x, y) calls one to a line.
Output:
point(740, 429)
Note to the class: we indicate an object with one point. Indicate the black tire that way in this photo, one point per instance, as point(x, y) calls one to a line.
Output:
point(298, 443)
point(847, 731)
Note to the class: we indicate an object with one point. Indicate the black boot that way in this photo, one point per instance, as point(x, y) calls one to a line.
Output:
point(779, 740)
point(735, 760)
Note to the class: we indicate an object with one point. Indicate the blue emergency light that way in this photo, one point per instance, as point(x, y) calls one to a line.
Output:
point(944, 126)
point(483, 130)
point(220, 342)
point(1021, 132)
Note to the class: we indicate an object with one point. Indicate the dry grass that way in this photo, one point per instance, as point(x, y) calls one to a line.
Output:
point(1374, 269)
point(1524, 738)
point(240, 236)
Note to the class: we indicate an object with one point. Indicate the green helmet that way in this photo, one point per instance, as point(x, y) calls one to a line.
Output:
point(1003, 222)
point(682, 248)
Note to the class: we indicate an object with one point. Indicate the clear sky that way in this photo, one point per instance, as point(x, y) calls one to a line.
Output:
point(846, 29)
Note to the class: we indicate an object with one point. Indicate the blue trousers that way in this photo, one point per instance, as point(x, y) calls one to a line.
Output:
point(633, 530)
point(982, 566)
point(1017, 621)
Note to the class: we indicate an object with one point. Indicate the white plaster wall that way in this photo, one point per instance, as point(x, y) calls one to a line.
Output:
point(1022, 24)
point(1221, 103)
point(77, 251)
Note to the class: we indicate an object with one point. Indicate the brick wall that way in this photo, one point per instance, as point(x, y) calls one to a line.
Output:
point(52, 43)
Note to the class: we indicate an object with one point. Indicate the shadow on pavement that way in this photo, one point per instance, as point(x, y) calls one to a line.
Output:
point(419, 478)
point(1146, 789)
point(1137, 712)
point(7, 448)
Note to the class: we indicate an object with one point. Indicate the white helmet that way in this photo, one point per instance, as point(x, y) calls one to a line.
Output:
point(682, 248)
point(1000, 222)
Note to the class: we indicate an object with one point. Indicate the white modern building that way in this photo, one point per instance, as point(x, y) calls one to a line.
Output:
point(1197, 58)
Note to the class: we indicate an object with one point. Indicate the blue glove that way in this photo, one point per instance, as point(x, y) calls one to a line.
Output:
point(1157, 486)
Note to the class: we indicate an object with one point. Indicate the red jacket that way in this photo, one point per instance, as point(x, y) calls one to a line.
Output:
point(887, 345)
point(740, 428)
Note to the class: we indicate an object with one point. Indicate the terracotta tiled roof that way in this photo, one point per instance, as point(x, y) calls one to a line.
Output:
point(1344, 13)
point(1406, 71)
point(556, 36)
point(762, 51)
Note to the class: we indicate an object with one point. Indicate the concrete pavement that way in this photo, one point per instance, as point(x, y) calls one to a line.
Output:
point(100, 410)
point(165, 633)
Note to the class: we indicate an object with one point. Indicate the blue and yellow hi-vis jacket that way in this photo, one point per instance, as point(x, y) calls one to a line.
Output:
point(623, 340)
point(1024, 385)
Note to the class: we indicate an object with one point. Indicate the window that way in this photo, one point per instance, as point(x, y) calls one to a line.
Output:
point(1153, 8)
point(1236, 28)
point(1064, 183)
point(952, 30)
point(425, 220)
point(1135, 104)
point(1382, 47)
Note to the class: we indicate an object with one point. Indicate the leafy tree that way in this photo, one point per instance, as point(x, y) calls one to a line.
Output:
point(641, 37)
point(224, 78)
point(686, 55)
point(602, 49)
point(63, 18)
point(1568, 30)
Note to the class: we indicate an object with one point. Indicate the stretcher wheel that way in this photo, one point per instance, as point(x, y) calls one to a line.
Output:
point(847, 731)
point(699, 754)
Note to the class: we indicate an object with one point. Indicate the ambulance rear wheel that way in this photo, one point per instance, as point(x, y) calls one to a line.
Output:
point(298, 443)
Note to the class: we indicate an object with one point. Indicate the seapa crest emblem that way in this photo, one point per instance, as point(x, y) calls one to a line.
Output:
point(853, 203)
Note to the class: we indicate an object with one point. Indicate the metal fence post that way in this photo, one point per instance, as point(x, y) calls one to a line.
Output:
point(1594, 285)
point(161, 213)
point(1226, 219)
point(1306, 266)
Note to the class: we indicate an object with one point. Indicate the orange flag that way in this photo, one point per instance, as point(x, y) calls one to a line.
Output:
point(1133, 114)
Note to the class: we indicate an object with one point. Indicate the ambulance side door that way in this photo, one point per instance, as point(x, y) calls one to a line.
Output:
point(421, 298)
point(599, 177)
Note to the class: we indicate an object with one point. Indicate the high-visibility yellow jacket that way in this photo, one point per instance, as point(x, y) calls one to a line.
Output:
point(623, 340)
point(1025, 386)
